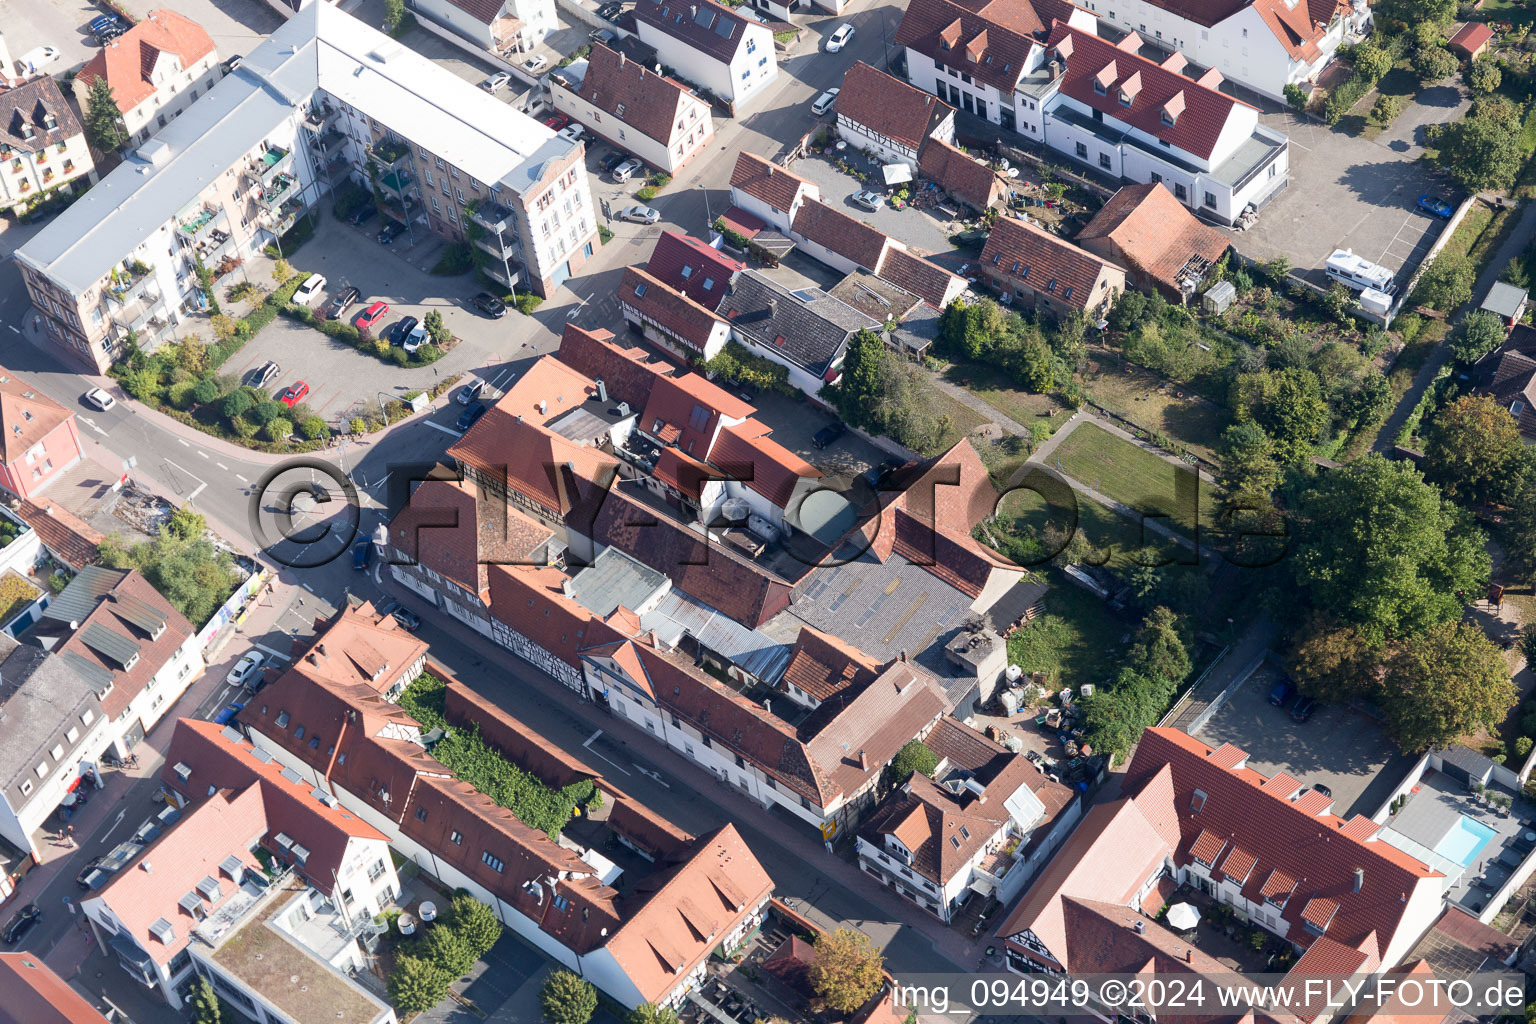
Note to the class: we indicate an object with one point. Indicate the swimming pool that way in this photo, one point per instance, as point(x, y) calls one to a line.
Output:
point(1463, 843)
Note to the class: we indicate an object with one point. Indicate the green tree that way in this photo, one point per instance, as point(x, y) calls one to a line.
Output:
point(1474, 451)
point(236, 403)
point(143, 384)
point(206, 1008)
point(567, 999)
point(1334, 662)
point(103, 121)
point(1446, 283)
point(279, 429)
point(848, 969)
point(1025, 355)
point(186, 524)
point(1447, 682)
point(861, 391)
point(1158, 652)
point(1069, 339)
point(191, 574)
point(446, 947)
point(1369, 399)
point(476, 922)
point(1483, 75)
point(1294, 412)
point(1433, 64)
point(650, 1013)
point(1117, 715)
point(394, 14)
point(1519, 538)
point(1386, 108)
point(206, 391)
point(266, 412)
point(1479, 333)
point(1296, 97)
point(1247, 461)
point(282, 272)
point(416, 984)
point(1416, 12)
point(1377, 547)
point(1371, 61)
point(914, 757)
point(969, 330)
point(437, 328)
point(1481, 152)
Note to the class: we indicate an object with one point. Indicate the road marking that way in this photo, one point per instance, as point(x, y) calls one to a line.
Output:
point(241, 478)
point(92, 424)
point(654, 776)
point(116, 822)
point(275, 654)
point(202, 453)
point(439, 426)
point(14, 328)
point(183, 443)
point(306, 585)
point(222, 466)
point(200, 482)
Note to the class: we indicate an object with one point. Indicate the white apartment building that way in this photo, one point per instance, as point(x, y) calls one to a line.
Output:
point(711, 46)
point(325, 97)
point(156, 69)
point(1264, 44)
point(633, 108)
point(42, 146)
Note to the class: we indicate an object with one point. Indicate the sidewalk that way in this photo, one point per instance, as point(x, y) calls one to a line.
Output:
point(960, 951)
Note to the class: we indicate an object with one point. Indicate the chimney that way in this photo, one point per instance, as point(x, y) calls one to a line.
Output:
point(147, 869)
point(321, 649)
point(1359, 879)
point(1189, 955)
point(863, 761)
point(622, 60)
point(1140, 926)
point(602, 390)
point(903, 656)
point(541, 407)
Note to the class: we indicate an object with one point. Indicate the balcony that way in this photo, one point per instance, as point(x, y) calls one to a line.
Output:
point(212, 246)
point(270, 164)
point(126, 283)
point(503, 247)
point(495, 217)
point(396, 183)
point(196, 227)
point(511, 276)
point(320, 117)
point(273, 194)
point(143, 316)
point(389, 151)
point(285, 215)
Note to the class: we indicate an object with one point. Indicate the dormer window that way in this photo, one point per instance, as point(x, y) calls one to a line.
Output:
point(1197, 801)
point(50, 122)
point(1099, 88)
point(27, 131)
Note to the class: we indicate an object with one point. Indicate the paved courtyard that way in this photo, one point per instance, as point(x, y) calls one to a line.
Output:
point(1349, 192)
point(916, 228)
point(338, 375)
point(1342, 749)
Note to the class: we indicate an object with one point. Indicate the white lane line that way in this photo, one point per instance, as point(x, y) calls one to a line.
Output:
point(275, 654)
point(203, 454)
point(596, 754)
point(446, 430)
point(92, 424)
point(222, 466)
point(308, 587)
point(14, 328)
point(201, 483)
point(241, 478)
point(183, 443)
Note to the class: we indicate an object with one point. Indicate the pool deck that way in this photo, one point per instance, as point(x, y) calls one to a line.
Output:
point(1435, 809)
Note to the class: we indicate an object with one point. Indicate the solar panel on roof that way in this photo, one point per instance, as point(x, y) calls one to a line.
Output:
point(724, 28)
point(261, 755)
point(704, 17)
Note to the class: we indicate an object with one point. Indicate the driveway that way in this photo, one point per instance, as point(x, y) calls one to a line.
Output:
point(1349, 192)
point(1341, 749)
point(342, 377)
point(913, 227)
point(504, 986)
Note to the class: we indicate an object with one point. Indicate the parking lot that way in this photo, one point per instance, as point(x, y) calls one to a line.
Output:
point(1350, 192)
point(338, 375)
point(1341, 749)
point(916, 228)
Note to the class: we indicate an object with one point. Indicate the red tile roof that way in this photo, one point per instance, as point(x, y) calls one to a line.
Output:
point(890, 107)
point(128, 61)
point(628, 372)
point(709, 28)
point(767, 181)
point(118, 612)
point(1151, 231)
point(745, 452)
point(457, 529)
point(1472, 36)
point(532, 461)
point(684, 319)
point(685, 473)
point(1195, 130)
point(533, 602)
point(364, 649)
point(688, 410)
point(26, 416)
point(1306, 853)
point(976, 44)
point(962, 176)
point(31, 993)
point(700, 271)
point(822, 666)
point(845, 235)
point(70, 539)
point(651, 104)
point(221, 826)
point(923, 278)
point(1018, 251)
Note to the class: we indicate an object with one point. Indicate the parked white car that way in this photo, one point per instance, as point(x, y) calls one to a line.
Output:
point(825, 102)
point(247, 667)
point(536, 64)
point(38, 58)
point(574, 132)
point(100, 399)
point(839, 39)
point(496, 81)
point(309, 290)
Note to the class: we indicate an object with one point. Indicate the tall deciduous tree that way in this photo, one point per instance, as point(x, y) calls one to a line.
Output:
point(650, 1013)
point(1481, 152)
point(1433, 64)
point(1158, 652)
point(1248, 461)
point(862, 387)
point(103, 121)
point(1292, 409)
point(205, 1003)
point(1474, 450)
point(1371, 61)
point(1378, 547)
point(1479, 333)
point(1334, 662)
point(416, 984)
point(847, 969)
point(567, 999)
point(914, 757)
point(1445, 683)
point(475, 922)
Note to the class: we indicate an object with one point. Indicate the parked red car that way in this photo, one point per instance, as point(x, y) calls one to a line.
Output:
point(370, 317)
point(556, 122)
point(293, 394)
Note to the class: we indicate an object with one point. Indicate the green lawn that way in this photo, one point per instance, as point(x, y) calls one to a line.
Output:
point(1076, 641)
point(1027, 514)
point(1156, 404)
point(1133, 476)
point(993, 387)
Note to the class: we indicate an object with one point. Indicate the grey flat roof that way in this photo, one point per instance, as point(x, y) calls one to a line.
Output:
point(755, 652)
point(1504, 299)
point(41, 699)
point(612, 580)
